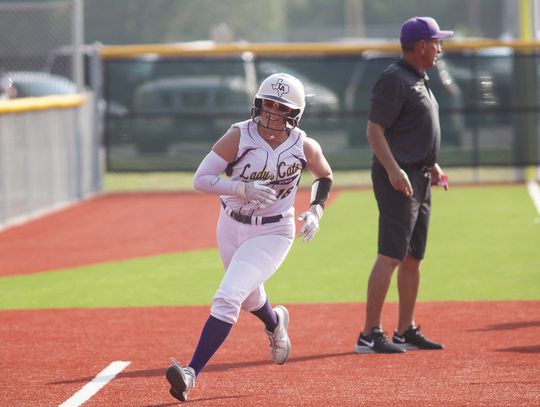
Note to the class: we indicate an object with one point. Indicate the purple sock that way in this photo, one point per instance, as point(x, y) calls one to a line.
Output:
point(267, 315)
point(212, 336)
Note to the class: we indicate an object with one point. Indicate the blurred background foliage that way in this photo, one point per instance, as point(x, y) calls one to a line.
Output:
point(166, 21)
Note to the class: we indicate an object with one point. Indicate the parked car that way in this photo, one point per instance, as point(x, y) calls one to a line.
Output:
point(321, 115)
point(186, 108)
point(318, 97)
point(486, 77)
point(19, 84)
point(442, 83)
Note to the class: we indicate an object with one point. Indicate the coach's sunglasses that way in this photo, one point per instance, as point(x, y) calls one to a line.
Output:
point(271, 104)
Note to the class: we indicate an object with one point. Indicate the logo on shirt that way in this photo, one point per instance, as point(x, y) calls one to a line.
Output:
point(286, 173)
point(262, 175)
point(286, 170)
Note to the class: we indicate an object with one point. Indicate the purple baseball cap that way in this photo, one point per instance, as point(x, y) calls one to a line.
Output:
point(422, 28)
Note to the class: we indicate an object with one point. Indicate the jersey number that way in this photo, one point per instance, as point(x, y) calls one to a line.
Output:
point(284, 193)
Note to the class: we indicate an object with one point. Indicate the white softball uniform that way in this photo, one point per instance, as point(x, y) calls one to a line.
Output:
point(254, 241)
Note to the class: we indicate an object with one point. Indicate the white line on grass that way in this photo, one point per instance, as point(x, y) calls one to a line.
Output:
point(89, 389)
point(534, 192)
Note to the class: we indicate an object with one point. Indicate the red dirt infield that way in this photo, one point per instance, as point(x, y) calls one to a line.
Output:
point(110, 227)
point(115, 227)
point(492, 358)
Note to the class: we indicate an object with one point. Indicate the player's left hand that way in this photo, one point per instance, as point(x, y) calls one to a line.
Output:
point(311, 220)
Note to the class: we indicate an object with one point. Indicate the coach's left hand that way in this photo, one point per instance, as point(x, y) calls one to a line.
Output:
point(438, 177)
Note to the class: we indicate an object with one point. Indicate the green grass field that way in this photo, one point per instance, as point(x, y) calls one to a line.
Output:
point(484, 245)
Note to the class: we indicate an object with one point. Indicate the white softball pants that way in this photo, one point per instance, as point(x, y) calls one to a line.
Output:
point(250, 255)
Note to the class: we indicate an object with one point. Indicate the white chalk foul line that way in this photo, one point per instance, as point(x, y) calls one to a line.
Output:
point(89, 389)
point(534, 192)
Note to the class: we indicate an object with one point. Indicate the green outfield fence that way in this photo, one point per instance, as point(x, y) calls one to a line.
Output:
point(167, 104)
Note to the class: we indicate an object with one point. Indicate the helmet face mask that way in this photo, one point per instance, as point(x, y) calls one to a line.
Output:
point(273, 120)
point(286, 90)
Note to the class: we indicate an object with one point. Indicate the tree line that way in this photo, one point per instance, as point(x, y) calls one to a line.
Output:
point(168, 21)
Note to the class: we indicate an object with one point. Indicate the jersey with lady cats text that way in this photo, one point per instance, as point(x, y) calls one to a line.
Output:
point(258, 161)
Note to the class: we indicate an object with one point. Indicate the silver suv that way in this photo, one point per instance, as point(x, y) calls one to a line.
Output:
point(19, 84)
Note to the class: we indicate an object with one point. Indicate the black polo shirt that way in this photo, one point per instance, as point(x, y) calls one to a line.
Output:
point(403, 104)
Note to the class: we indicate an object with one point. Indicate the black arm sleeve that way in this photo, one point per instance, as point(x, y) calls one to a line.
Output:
point(320, 190)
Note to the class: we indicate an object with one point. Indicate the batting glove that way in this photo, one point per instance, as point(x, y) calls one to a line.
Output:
point(256, 192)
point(311, 220)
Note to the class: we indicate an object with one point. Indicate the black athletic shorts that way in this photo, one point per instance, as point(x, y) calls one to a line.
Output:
point(403, 221)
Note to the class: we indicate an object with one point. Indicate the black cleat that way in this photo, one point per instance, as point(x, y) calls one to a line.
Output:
point(413, 339)
point(375, 342)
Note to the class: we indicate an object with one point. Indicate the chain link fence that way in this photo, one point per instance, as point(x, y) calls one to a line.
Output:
point(39, 41)
point(49, 135)
point(170, 108)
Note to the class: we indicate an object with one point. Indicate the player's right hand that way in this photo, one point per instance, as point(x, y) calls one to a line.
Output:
point(257, 192)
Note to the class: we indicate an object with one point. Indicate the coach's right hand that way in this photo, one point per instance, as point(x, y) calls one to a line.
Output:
point(400, 181)
point(256, 191)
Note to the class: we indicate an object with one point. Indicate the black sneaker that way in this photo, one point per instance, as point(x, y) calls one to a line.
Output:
point(375, 342)
point(413, 339)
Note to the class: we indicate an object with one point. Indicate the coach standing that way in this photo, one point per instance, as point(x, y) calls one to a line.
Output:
point(404, 133)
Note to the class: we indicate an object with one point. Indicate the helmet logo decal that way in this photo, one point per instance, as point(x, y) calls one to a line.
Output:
point(280, 87)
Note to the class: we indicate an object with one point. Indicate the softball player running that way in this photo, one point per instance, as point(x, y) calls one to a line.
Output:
point(264, 158)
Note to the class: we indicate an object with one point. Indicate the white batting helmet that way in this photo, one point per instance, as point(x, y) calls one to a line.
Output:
point(285, 89)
